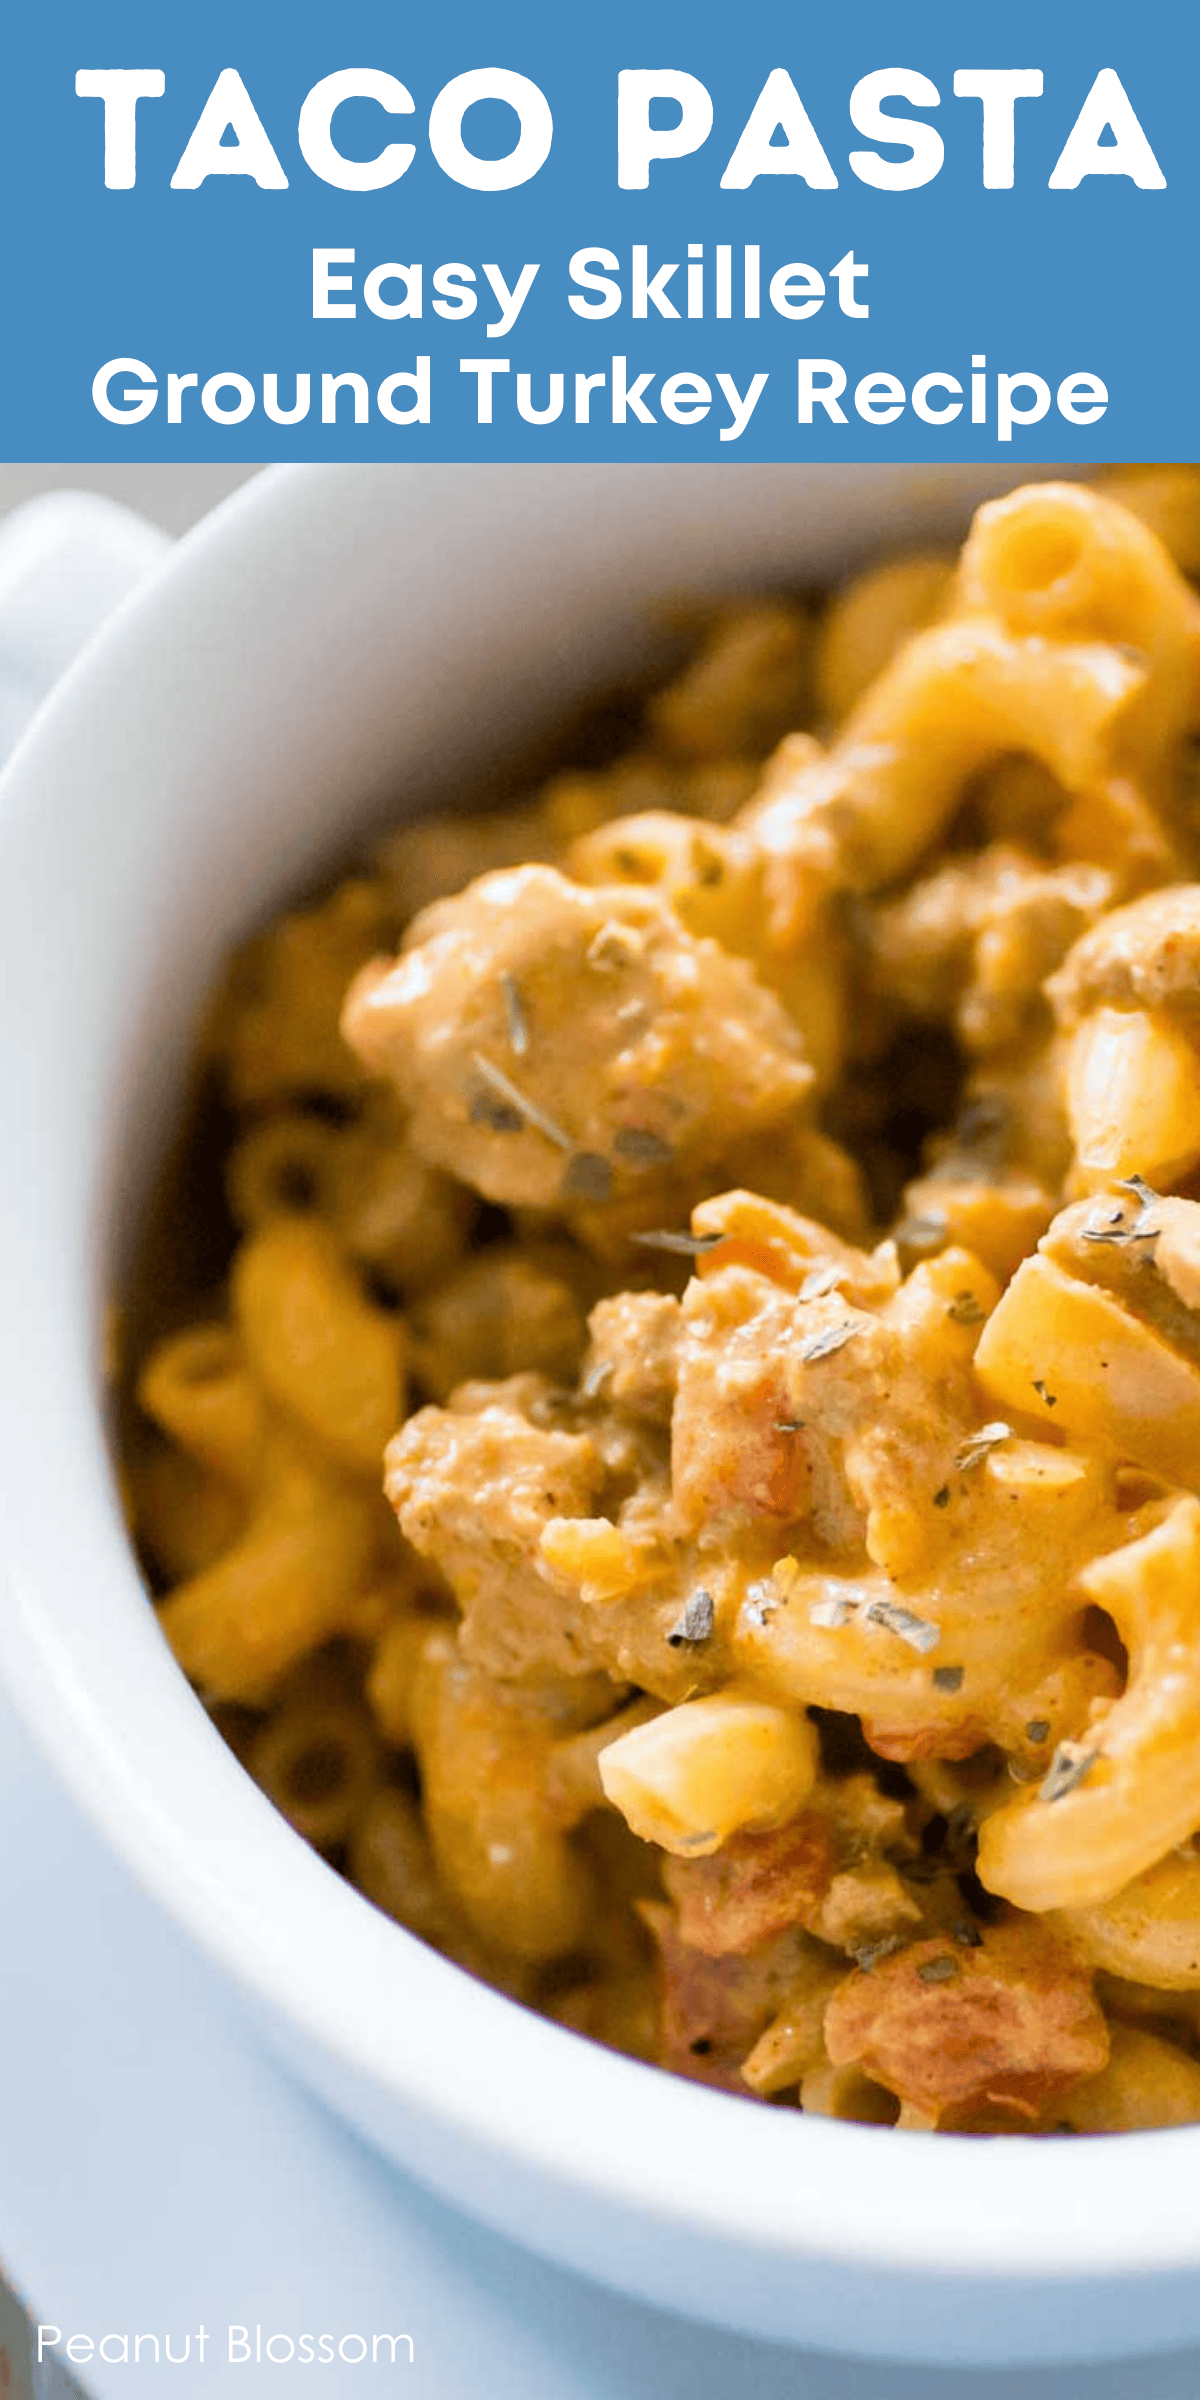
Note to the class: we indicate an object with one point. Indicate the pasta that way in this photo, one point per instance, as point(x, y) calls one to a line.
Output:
point(708, 1769)
point(688, 1492)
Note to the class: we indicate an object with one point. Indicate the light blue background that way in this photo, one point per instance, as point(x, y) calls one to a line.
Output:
point(1099, 279)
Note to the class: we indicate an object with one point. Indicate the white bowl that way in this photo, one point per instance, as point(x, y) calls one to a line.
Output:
point(334, 645)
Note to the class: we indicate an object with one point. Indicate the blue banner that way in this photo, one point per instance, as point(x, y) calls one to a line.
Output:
point(527, 232)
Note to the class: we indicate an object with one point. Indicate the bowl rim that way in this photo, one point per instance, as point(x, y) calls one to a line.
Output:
point(457, 2056)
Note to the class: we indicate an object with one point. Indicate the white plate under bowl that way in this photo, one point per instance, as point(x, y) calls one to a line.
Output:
point(335, 645)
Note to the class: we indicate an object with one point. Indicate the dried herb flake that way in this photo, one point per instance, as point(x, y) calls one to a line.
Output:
point(823, 1345)
point(1050, 1398)
point(830, 1615)
point(518, 1022)
point(966, 1309)
point(681, 1245)
point(1143, 1192)
point(975, 1449)
point(506, 1090)
point(587, 1176)
point(821, 1280)
point(947, 1679)
point(870, 1953)
point(497, 1115)
point(1122, 1229)
point(642, 1148)
point(941, 1969)
point(916, 1631)
point(1067, 1769)
point(696, 1622)
point(761, 1602)
point(1116, 1228)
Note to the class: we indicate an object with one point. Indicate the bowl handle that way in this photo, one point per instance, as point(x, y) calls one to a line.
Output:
point(67, 560)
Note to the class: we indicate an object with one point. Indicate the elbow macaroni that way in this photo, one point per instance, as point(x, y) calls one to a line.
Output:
point(787, 1665)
